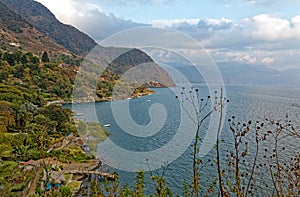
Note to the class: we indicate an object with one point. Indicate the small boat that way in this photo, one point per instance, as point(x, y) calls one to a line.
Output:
point(107, 125)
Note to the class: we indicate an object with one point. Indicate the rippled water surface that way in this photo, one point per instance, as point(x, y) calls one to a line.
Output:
point(246, 103)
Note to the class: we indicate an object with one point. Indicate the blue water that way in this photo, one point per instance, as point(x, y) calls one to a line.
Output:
point(246, 103)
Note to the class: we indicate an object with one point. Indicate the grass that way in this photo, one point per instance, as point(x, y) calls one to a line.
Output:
point(75, 185)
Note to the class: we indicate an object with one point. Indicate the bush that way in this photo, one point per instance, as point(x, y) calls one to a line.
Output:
point(65, 191)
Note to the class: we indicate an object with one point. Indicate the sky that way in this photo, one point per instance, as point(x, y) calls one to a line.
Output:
point(258, 32)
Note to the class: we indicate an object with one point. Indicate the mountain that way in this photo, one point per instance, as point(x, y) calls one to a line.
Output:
point(293, 75)
point(53, 36)
point(45, 22)
point(18, 34)
point(232, 72)
point(238, 73)
point(138, 66)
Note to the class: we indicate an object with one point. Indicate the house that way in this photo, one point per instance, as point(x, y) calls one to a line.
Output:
point(53, 179)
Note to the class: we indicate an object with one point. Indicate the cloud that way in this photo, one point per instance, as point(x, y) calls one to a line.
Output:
point(257, 57)
point(138, 2)
point(215, 24)
point(88, 17)
point(208, 23)
point(246, 59)
point(64, 10)
point(270, 28)
point(174, 22)
point(268, 60)
point(258, 30)
point(199, 29)
point(260, 3)
point(262, 39)
point(101, 25)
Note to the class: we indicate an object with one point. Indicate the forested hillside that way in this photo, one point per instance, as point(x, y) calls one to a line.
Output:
point(45, 22)
point(17, 34)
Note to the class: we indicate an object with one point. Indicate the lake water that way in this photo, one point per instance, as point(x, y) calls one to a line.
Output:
point(246, 103)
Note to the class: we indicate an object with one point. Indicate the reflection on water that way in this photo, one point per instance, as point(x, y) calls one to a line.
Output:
point(246, 103)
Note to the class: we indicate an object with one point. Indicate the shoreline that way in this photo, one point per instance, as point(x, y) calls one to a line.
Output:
point(97, 99)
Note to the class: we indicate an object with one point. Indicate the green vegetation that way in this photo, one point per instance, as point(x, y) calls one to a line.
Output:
point(26, 133)
point(45, 57)
point(22, 73)
point(29, 127)
point(73, 153)
point(32, 129)
point(111, 87)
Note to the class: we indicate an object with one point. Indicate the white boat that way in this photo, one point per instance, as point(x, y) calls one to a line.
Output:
point(107, 125)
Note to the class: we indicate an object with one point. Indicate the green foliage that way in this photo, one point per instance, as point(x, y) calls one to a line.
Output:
point(37, 127)
point(82, 128)
point(95, 189)
point(11, 94)
point(28, 128)
point(71, 154)
point(5, 151)
point(6, 170)
point(161, 187)
point(140, 183)
point(73, 61)
point(65, 191)
point(19, 58)
point(110, 82)
point(25, 70)
point(45, 57)
point(59, 115)
point(7, 118)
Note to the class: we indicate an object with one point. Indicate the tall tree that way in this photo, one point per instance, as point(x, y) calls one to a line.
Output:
point(45, 57)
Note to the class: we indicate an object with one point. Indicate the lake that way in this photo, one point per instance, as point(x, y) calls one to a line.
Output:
point(129, 143)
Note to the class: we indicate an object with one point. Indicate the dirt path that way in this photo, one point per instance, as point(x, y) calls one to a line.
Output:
point(90, 165)
point(35, 181)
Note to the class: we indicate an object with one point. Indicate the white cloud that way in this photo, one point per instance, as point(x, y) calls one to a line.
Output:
point(223, 23)
point(174, 22)
point(88, 17)
point(208, 23)
point(246, 59)
point(270, 28)
point(138, 2)
point(65, 10)
point(255, 40)
point(268, 60)
point(101, 25)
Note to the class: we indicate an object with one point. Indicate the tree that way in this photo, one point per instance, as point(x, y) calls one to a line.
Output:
point(65, 191)
point(45, 57)
point(6, 116)
point(200, 107)
point(5, 70)
point(59, 115)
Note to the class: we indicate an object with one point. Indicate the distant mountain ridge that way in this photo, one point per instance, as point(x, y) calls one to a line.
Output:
point(238, 73)
point(45, 22)
point(235, 73)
